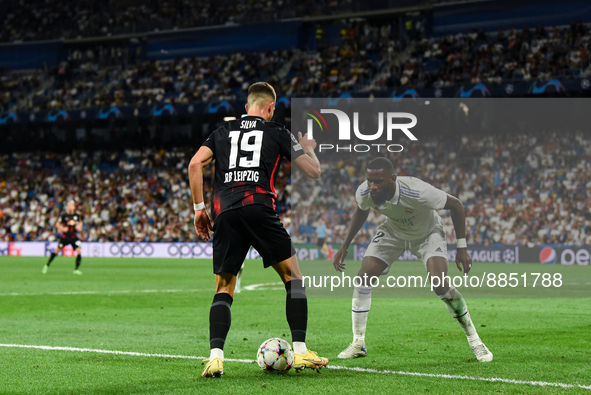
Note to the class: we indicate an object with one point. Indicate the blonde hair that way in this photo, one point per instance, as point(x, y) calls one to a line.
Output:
point(260, 94)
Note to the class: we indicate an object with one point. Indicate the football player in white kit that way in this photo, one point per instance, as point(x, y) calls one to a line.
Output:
point(412, 224)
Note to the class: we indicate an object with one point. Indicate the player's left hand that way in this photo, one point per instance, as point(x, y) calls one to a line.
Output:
point(203, 224)
point(339, 259)
point(463, 260)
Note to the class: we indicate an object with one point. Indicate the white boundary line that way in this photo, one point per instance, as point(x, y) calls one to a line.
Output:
point(252, 287)
point(255, 287)
point(452, 376)
point(106, 292)
point(354, 369)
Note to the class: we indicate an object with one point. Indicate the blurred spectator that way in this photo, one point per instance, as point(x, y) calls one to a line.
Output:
point(321, 231)
point(525, 189)
point(35, 20)
point(475, 57)
point(122, 196)
point(368, 58)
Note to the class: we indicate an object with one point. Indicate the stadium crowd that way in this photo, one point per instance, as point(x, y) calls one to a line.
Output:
point(366, 60)
point(102, 76)
point(70, 19)
point(528, 189)
point(476, 57)
point(215, 78)
point(517, 189)
point(129, 196)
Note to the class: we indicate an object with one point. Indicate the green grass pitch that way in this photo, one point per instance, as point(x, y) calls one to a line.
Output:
point(161, 306)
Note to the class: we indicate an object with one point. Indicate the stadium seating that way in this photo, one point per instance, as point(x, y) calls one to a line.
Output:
point(70, 19)
point(143, 195)
point(371, 61)
point(513, 193)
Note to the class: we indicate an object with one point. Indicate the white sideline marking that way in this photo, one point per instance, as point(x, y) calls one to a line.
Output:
point(135, 354)
point(104, 292)
point(453, 376)
point(354, 369)
point(254, 287)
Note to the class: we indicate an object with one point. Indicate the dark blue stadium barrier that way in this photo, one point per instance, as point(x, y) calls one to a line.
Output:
point(165, 46)
point(30, 56)
point(208, 41)
point(507, 89)
point(123, 112)
point(506, 14)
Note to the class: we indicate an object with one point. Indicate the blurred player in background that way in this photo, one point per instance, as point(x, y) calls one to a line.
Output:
point(410, 206)
point(321, 230)
point(247, 153)
point(68, 224)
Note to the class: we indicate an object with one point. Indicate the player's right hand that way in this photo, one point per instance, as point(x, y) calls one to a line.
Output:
point(339, 259)
point(203, 224)
point(306, 141)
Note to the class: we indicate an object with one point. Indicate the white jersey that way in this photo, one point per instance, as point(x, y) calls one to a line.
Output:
point(411, 213)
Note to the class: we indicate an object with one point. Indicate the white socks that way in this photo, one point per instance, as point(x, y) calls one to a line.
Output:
point(459, 311)
point(360, 308)
point(300, 348)
point(216, 353)
point(452, 298)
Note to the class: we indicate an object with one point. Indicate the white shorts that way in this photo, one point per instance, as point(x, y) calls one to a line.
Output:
point(389, 248)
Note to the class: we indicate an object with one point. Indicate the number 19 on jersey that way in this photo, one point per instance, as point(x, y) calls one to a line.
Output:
point(246, 145)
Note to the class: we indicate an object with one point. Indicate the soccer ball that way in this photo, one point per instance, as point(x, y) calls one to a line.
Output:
point(275, 355)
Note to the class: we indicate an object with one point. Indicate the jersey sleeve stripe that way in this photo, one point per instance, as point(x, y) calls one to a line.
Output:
point(402, 187)
point(408, 194)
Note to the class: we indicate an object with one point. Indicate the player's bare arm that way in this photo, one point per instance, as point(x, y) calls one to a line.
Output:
point(359, 218)
point(458, 217)
point(60, 227)
point(308, 163)
point(202, 223)
point(79, 227)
